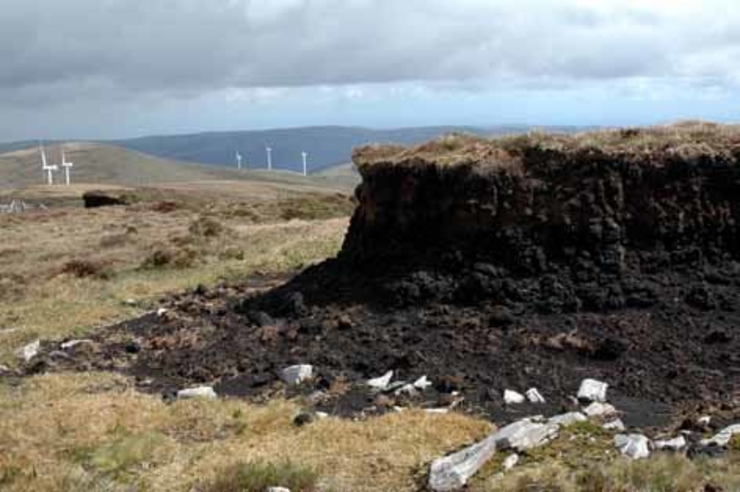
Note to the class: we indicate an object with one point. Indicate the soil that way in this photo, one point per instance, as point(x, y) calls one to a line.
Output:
point(570, 266)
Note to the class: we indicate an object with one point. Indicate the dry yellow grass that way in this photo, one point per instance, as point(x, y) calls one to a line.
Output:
point(59, 432)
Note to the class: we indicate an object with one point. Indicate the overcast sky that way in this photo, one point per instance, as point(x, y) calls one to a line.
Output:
point(116, 68)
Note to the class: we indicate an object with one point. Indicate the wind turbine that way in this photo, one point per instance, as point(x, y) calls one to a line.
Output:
point(269, 158)
point(46, 167)
point(67, 166)
point(238, 160)
point(305, 163)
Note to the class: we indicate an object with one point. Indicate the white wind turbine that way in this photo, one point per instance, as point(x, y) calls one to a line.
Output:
point(305, 163)
point(67, 167)
point(50, 170)
point(238, 160)
point(269, 158)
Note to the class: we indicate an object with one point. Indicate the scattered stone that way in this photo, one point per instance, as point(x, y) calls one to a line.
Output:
point(73, 343)
point(567, 419)
point(635, 446)
point(437, 411)
point(511, 461)
point(592, 390)
point(4, 369)
point(407, 390)
point(597, 409)
point(534, 396)
point(130, 302)
point(513, 398)
point(525, 434)
point(452, 472)
point(298, 374)
point(322, 415)
point(704, 420)
point(199, 392)
point(675, 444)
point(615, 424)
point(381, 382)
point(723, 437)
point(422, 383)
point(161, 312)
point(277, 489)
point(29, 351)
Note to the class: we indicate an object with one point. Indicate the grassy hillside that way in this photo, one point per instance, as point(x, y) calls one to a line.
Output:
point(111, 165)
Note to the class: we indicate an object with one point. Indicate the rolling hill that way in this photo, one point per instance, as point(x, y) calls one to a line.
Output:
point(112, 165)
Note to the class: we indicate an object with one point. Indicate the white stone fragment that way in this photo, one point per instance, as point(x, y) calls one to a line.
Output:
point(635, 446)
point(199, 392)
point(298, 374)
point(381, 382)
point(422, 383)
point(511, 461)
point(4, 369)
point(513, 398)
point(534, 396)
point(452, 472)
point(592, 390)
point(277, 489)
point(406, 390)
point(567, 419)
point(322, 415)
point(615, 424)
point(597, 409)
point(723, 437)
point(525, 434)
point(29, 351)
point(675, 444)
point(73, 343)
point(704, 420)
point(161, 312)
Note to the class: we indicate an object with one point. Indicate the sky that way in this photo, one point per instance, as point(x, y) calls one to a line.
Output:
point(123, 68)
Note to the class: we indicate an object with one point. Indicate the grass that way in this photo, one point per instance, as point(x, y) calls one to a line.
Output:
point(259, 476)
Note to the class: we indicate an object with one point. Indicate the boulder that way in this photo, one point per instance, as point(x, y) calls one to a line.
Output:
point(526, 434)
point(198, 392)
point(635, 446)
point(597, 409)
point(615, 424)
point(298, 374)
point(29, 351)
point(723, 437)
point(592, 390)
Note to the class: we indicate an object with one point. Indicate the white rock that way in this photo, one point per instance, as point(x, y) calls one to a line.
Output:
point(73, 343)
point(592, 390)
point(704, 420)
point(511, 461)
point(199, 392)
point(277, 489)
point(29, 351)
point(723, 437)
point(525, 434)
point(322, 415)
point(567, 419)
point(161, 312)
point(381, 382)
point(452, 472)
point(675, 444)
point(512, 397)
point(407, 390)
point(615, 424)
point(635, 446)
point(295, 375)
point(534, 396)
point(422, 383)
point(4, 369)
point(597, 409)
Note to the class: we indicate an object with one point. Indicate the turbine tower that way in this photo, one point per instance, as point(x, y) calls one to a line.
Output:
point(305, 163)
point(67, 166)
point(46, 167)
point(269, 158)
point(238, 160)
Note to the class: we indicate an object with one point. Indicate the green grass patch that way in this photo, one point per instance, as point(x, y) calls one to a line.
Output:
point(259, 476)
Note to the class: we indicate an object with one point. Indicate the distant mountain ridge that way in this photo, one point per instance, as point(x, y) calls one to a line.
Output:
point(326, 145)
